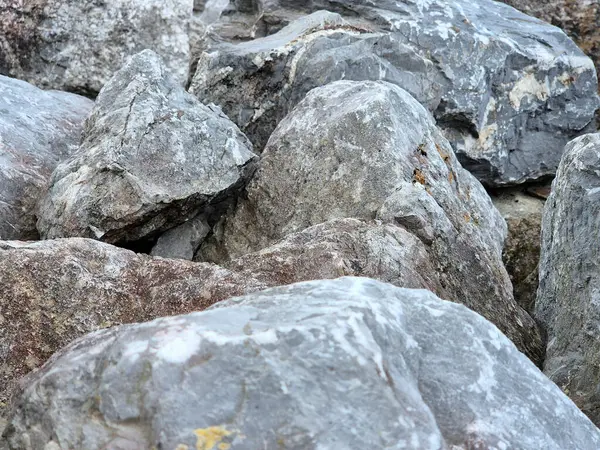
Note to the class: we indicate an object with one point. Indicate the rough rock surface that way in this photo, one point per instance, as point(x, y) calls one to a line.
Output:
point(568, 301)
point(529, 91)
point(37, 130)
point(77, 45)
point(580, 19)
point(55, 291)
point(521, 255)
point(152, 157)
point(182, 242)
point(351, 363)
point(369, 150)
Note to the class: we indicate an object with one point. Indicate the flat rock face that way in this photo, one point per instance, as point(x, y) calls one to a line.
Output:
point(38, 129)
point(529, 89)
point(77, 45)
point(369, 150)
point(569, 297)
point(56, 291)
point(396, 368)
point(152, 157)
point(580, 19)
point(521, 255)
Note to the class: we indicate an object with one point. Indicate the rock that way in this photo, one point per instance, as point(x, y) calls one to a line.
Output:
point(369, 150)
point(37, 130)
point(182, 242)
point(508, 120)
point(521, 255)
point(77, 45)
point(351, 363)
point(568, 297)
point(580, 19)
point(152, 157)
point(56, 291)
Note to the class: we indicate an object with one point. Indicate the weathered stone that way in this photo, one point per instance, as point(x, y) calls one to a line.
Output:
point(152, 157)
point(369, 150)
point(182, 242)
point(527, 89)
point(351, 363)
point(37, 130)
point(77, 45)
point(56, 291)
point(568, 301)
point(521, 255)
point(580, 19)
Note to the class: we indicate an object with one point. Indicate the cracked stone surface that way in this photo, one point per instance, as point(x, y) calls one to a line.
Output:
point(568, 300)
point(152, 157)
point(396, 368)
point(527, 92)
point(38, 129)
point(77, 45)
point(369, 150)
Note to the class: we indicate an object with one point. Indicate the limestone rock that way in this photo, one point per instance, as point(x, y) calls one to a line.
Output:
point(351, 363)
point(526, 92)
point(38, 129)
point(55, 291)
point(77, 45)
point(182, 242)
point(568, 301)
point(521, 255)
point(580, 19)
point(369, 150)
point(152, 157)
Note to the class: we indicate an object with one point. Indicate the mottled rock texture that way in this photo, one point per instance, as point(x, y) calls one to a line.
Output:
point(521, 254)
point(55, 291)
point(369, 150)
point(351, 363)
point(77, 45)
point(568, 301)
point(152, 157)
point(38, 129)
point(580, 19)
point(526, 91)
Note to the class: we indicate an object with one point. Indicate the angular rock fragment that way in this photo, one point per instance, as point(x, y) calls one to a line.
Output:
point(55, 291)
point(38, 129)
point(351, 363)
point(369, 150)
point(77, 45)
point(182, 242)
point(152, 157)
point(525, 92)
point(568, 300)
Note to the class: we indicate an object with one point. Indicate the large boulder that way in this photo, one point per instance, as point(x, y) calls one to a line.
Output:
point(77, 45)
point(55, 291)
point(568, 301)
point(369, 150)
point(152, 157)
point(350, 363)
point(38, 129)
point(580, 19)
point(528, 90)
point(523, 214)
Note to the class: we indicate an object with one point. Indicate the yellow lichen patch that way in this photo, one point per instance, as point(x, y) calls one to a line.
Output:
point(224, 446)
point(467, 217)
point(450, 177)
point(418, 177)
point(209, 437)
point(182, 447)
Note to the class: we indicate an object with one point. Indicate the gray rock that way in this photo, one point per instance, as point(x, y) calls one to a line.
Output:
point(77, 45)
point(351, 363)
point(38, 129)
point(55, 291)
point(182, 242)
point(152, 157)
point(527, 91)
point(369, 150)
point(521, 255)
point(569, 294)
